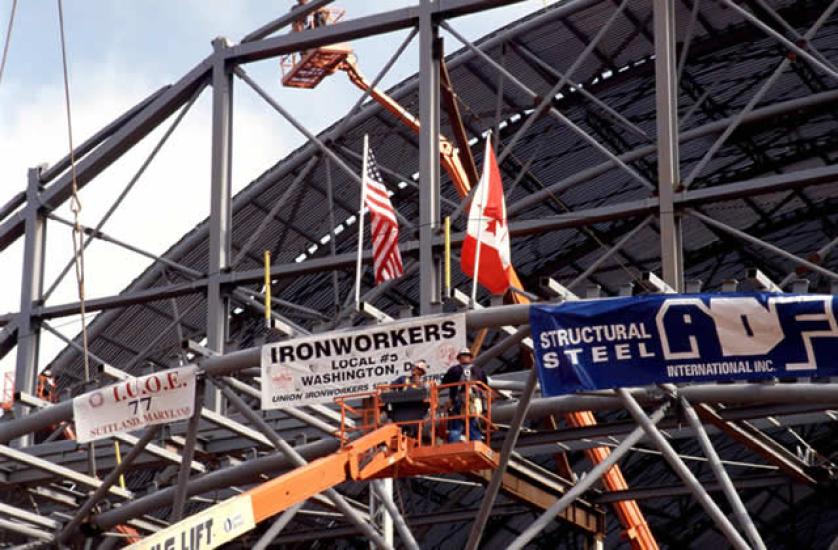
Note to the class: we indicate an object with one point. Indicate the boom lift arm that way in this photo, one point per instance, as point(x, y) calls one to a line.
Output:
point(449, 155)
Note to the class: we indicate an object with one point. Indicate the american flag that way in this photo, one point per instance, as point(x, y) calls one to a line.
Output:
point(385, 226)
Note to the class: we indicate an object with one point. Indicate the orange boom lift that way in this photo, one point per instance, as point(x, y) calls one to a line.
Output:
point(307, 69)
point(406, 441)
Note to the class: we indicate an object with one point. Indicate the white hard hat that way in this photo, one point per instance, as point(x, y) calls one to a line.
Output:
point(464, 351)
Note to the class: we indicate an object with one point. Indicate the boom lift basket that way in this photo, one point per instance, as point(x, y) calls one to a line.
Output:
point(422, 417)
point(307, 68)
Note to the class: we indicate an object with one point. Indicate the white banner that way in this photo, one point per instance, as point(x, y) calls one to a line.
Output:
point(205, 530)
point(158, 398)
point(316, 369)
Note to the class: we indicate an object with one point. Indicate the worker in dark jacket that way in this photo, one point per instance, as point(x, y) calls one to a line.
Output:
point(461, 372)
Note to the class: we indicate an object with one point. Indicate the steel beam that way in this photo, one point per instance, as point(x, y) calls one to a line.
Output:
point(477, 528)
point(585, 482)
point(24, 529)
point(762, 244)
point(758, 442)
point(48, 174)
point(757, 116)
point(66, 473)
point(250, 471)
point(677, 464)
point(346, 31)
point(107, 483)
point(754, 100)
point(130, 185)
point(300, 11)
point(386, 498)
point(739, 510)
point(666, 109)
point(782, 39)
point(669, 491)
point(277, 526)
point(757, 186)
point(424, 520)
point(27, 516)
point(580, 514)
point(12, 204)
point(188, 452)
point(551, 110)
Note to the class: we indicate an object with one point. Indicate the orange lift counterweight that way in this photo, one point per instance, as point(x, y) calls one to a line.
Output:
point(307, 70)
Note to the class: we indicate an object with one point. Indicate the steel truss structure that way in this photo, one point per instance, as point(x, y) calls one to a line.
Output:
point(646, 145)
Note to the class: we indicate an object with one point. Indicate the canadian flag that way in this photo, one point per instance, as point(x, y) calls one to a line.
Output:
point(486, 246)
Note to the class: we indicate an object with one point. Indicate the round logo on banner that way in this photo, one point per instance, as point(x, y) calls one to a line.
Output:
point(282, 378)
point(447, 354)
point(96, 399)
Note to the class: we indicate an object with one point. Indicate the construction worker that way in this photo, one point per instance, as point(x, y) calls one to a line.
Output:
point(299, 24)
point(321, 17)
point(47, 388)
point(459, 373)
point(415, 380)
point(402, 407)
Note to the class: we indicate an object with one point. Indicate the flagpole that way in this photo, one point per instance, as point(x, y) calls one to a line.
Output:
point(482, 206)
point(361, 223)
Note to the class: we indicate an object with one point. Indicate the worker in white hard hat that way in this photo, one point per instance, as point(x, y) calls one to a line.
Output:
point(463, 371)
point(417, 374)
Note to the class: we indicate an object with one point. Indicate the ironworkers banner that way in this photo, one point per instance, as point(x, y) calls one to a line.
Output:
point(159, 398)
point(316, 369)
point(642, 340)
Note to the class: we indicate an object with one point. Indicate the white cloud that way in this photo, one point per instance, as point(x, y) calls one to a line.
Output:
point(168, 200)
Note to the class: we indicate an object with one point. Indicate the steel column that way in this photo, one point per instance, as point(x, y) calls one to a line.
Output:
point(31, 289)
point(220, 219)
point(429, 53)
point(666, 97)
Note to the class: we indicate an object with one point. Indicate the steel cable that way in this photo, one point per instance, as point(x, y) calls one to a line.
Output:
point(75, 208)
point(8, 39)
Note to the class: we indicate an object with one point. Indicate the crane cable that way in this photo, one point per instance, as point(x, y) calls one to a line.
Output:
point(8, 39)
point(75, 201)
point(78, 235)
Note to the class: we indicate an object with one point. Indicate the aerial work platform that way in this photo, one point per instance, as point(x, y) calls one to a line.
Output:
point(373, 445)
point(306, 69)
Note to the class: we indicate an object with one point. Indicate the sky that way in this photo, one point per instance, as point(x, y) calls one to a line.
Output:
point(118, 53)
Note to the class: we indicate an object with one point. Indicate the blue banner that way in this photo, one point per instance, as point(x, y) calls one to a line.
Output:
point(672, 338)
